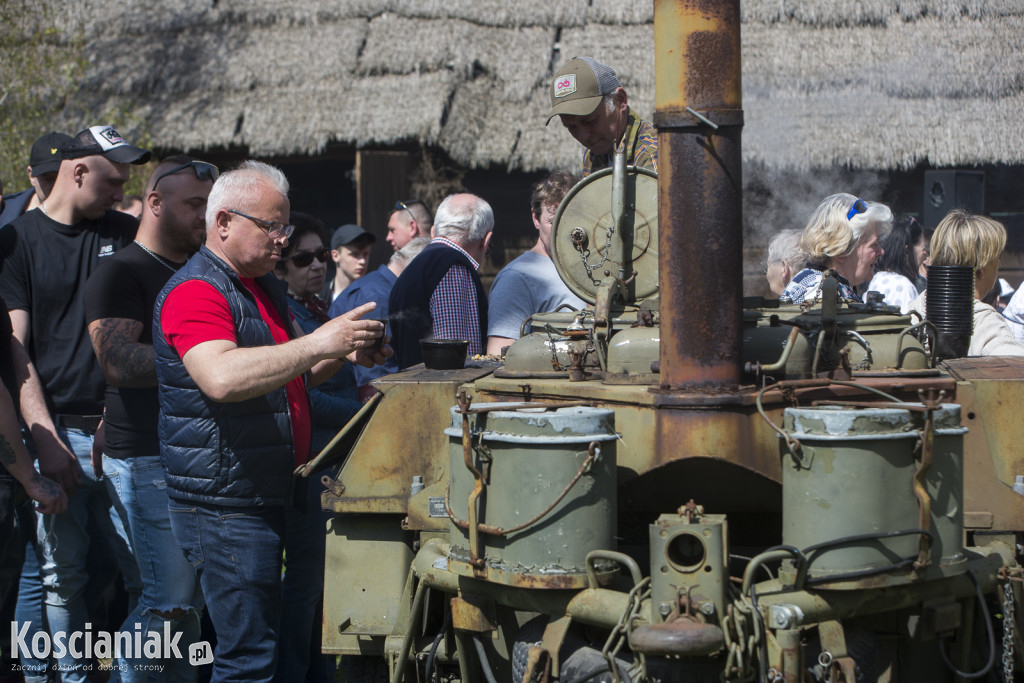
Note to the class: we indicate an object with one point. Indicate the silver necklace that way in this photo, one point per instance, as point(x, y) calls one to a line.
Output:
point(164, 262)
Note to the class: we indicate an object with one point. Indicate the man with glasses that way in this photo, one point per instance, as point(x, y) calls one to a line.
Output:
point(409, 218)
point(232, 368)
point(50, 255)
point(119, 313)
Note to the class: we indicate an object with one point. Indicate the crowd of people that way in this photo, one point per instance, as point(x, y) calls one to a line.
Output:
point(871, 251)
point(167, 372)
point(170, 361)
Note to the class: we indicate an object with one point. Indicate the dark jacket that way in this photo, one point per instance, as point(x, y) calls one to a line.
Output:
point(230, 454)
point(16, 204)
point(409, 304)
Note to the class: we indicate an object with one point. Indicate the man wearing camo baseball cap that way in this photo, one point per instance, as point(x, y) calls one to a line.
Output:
point(593, 106)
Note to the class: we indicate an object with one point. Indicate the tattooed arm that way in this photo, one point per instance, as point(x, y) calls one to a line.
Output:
point(125, 362)
point(49, 497)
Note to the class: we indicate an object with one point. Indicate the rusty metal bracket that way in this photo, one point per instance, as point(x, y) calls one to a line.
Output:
point(473, 613)
point(554, 636)
point(841, 666)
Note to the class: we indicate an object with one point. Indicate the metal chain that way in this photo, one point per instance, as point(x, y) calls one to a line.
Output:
point(578, 243)
point(739, 662)
point(617, 638)
point(555, 364)
point(1009, 617)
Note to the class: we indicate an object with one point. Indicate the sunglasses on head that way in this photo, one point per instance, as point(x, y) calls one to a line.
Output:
point(404, 206)
point(858, 207)
point(202, 169)
point(304, 258)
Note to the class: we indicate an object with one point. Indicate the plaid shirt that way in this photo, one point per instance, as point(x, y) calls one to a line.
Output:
point(806, 287)
point(453, 303)
point(641, 142)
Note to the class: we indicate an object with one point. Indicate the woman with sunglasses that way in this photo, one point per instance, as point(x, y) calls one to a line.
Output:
point(841, 235)
point(303, 266)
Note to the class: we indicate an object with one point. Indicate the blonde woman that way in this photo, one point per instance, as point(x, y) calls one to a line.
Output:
point(842, 235)
point(965, 239)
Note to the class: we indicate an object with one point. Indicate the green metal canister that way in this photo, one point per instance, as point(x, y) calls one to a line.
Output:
point(850, 488)
point(545, 497)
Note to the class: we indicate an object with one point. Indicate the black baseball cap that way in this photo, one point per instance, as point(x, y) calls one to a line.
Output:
point(349, 233)
point(47, 153)
point(105, 141)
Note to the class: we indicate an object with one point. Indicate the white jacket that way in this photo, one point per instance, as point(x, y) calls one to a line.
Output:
point(992, 335)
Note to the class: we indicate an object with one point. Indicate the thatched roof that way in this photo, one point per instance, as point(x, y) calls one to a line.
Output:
point(875, 84)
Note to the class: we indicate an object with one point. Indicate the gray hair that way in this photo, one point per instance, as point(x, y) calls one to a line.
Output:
point(785, 246)
point(241, 187)
point(461, 222)
point(410, 251)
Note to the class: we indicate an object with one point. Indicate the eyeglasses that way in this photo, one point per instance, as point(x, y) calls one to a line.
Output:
point(203, 171)
point(273, 230)
point(304, 258)
point(858, 207)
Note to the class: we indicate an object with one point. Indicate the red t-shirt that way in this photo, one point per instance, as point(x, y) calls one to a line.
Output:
point(195, 312)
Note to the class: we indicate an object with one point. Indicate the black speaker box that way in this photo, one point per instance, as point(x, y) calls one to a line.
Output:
point(948, 190)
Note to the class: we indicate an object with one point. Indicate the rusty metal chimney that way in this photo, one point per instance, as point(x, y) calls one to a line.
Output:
point(699, 116)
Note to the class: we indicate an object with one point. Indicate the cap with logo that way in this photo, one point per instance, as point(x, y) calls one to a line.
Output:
point(580, 85)
point(47, 153)
point(105, 141)
point(349, 233)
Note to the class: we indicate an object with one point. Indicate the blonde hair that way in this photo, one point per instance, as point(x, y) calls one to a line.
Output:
point(830, 234)
point(967, 239)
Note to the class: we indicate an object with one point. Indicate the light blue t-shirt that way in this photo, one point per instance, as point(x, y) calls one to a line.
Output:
point(527, 285)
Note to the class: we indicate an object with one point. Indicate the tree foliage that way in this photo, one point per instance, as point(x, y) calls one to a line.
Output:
point(43, 60)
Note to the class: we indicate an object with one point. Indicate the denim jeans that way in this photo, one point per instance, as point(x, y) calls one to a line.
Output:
point(237, 554)
point(64, 540)
point(170, 588)
point(29, 608)
point(302, 590)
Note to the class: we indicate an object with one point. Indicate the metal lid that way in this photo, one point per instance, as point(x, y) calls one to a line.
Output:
point(827, 423)
point(578, 424)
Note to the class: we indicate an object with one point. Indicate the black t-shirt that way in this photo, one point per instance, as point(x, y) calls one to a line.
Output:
point(126, 286)
point(44, 269)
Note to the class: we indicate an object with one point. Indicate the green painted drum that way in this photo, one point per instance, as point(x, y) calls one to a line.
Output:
point(852, 485)
point(528, 458)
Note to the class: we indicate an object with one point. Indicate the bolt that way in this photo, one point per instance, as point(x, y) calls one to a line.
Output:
point(664, 609)
point(708, 608)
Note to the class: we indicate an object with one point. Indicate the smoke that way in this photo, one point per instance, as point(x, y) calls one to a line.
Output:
point(775, 200)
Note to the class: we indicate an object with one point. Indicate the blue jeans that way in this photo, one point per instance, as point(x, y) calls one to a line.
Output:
point(64, 541)
point(170, 588)
point(302, 590)
point(30, 606)
point(237, 554)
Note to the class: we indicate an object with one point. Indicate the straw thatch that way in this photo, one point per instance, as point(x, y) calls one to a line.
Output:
point(874, 84)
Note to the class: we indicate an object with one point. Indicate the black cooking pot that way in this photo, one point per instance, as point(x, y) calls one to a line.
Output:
point(444, 354)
